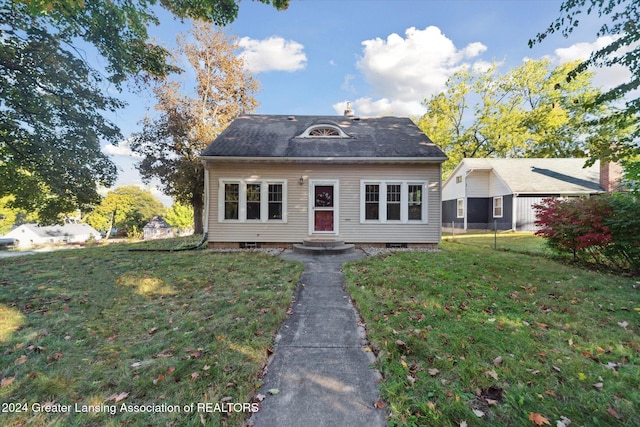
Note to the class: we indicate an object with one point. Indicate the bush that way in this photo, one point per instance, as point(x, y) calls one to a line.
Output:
point(602, 229)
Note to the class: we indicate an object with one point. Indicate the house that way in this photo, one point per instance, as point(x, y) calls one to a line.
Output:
point(483, 193)
point(27, 235)
point(279, 180)
point(157, 228)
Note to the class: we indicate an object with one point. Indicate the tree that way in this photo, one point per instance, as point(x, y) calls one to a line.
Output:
point(170, 144)
point(528, 112)
point(180, 216)
point(124, 208)
point(53, 101)
point(51, 123)
point(624, 25)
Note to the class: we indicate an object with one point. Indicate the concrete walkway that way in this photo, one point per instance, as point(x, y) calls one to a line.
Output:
point(323, 375)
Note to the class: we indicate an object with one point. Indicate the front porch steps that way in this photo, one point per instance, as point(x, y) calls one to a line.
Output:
point(323, 247)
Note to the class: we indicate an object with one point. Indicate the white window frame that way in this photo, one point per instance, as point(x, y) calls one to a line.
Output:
point(242, 200)
point(459, 208)
point(404, 201)
point(495, 199)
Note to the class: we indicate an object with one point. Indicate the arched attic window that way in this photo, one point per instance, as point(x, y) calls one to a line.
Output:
point(323, 131)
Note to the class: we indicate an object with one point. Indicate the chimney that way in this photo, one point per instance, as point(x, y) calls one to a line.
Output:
point(610, 176)
point(349, 112)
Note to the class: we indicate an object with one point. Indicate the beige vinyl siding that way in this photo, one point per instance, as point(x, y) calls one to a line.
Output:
point(296, 227)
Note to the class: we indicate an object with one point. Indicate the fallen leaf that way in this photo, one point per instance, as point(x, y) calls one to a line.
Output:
point(411, 379)
point(206, 367)
point(194, 376)
point(202, 420)
point(433, 372)
point(498, 360)
point(260, 397)
point(550, 393)
point(463, 424)
point(492, 374)
point(226, 399)
point(152, 331)
point(273, 391)
point(491, 402)
point(20, 360)
point(7, 381)
point(136, 364)
point(563, 422)
point(613, 413)
point(478, 413)
point(170, 370)
point(431, 405)
point(582, 376)
point(623, 324)
point(598, 385)
point(117, 397)
point(538, 419)
point(379, 404)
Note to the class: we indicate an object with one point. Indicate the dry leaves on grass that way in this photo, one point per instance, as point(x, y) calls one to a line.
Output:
point(538, 419)
point(117, 397)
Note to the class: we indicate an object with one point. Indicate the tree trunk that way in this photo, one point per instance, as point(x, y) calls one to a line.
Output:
point(198, 207)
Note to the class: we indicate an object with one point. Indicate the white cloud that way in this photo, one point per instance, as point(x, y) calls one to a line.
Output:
point(122, 149)
point(272, 54)
point(605, 78)
point(346, 84)
point(368, 107)
point(405, 71)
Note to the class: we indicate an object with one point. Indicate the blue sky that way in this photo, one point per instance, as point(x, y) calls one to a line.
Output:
point(384, 56)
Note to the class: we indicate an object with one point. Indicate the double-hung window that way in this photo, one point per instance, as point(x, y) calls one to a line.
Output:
point(460, 208)
point(372, 201)
point(497, 207)
point(252, 200)
point(393, 201)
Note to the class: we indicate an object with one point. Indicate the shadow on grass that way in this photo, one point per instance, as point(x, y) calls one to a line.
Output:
point(102, 326)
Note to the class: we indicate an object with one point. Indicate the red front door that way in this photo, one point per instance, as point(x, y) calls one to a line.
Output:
point(323, 208)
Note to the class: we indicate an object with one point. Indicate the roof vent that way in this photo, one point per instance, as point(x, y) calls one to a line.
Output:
point(292, 118)
point(348, 112)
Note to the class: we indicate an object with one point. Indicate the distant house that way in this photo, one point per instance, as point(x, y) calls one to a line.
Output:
point(27, 235)
point(157, 228)
point(481, 193)
point(274, 179)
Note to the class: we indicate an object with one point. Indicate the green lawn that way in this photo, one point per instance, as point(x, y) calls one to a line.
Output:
point(486, 337)
point(507, 335)
point(526, 243)
point(103, 327)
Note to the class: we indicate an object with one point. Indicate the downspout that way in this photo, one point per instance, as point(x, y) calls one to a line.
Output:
point(514, 212)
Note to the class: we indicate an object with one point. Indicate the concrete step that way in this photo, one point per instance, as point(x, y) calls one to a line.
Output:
point(322, 243)
point(323, 247)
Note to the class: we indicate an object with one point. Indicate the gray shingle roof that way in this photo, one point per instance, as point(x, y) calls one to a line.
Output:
point(279, 136)
point(539, 176)
point(79, 229)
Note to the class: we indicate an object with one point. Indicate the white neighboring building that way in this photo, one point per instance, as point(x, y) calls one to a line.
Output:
point(27, 235)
